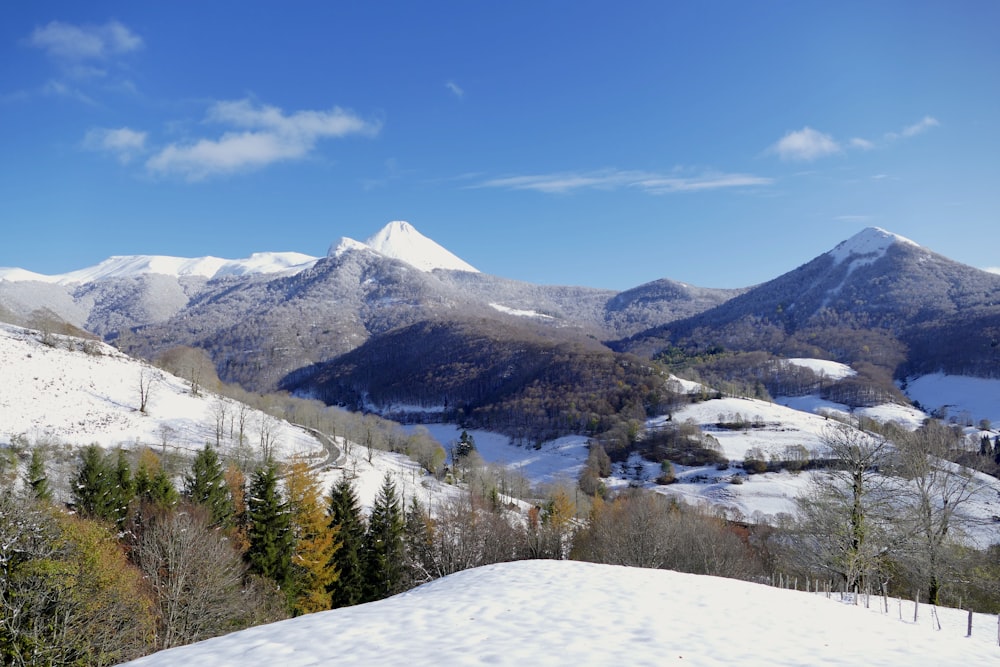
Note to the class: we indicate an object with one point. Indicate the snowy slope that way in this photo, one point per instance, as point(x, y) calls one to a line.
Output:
point(72, 398)
point(400, 240)
point(571, 613)
point(75, 397)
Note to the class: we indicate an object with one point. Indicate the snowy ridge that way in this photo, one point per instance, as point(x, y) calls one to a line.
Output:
point(124, 266)
point(867, 246)
point(541, 612)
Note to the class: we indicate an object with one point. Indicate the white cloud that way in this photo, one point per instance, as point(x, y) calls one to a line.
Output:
point(805, 145)
point(611, 179)
point(68, 42)
point(920, 127)
point(861, 144)
point(123, 143)
point(853, 218)
point(268, 136)
point(455, 89)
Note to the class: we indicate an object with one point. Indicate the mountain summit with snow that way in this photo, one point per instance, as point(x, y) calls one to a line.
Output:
point(401, 240)
point(868, 245)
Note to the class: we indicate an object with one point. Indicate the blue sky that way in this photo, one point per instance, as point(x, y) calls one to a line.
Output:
point(587, 143)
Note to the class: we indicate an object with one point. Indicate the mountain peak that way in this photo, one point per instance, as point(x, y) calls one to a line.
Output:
point(868, 245)
point(400, 240)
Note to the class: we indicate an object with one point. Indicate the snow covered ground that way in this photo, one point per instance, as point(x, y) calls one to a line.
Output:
point(572, 613)
point(54, 394)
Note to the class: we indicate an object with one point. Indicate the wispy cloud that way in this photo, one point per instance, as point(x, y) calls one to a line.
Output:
point(804, 145)
point(73, 43)
point(123, 143)
point(611, 179)
point(921, 126)
point(263, 135)
point(853, 218)
point(861, 144)
point(455, 89)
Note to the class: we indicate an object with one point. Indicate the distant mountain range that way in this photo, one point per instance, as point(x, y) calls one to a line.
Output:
point(399, 319)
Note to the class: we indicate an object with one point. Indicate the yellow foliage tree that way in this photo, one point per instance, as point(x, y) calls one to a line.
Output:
point(315, 541)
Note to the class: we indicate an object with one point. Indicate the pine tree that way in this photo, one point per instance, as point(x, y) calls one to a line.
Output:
point(418, 541)
point(271, 541)
point(383, 555)
point(152, 484)
point(93, 488)
point(122, 489)
point(37, 478)
point(345, 517)
point(465, 446)
point(313, 569)
point(206, 485)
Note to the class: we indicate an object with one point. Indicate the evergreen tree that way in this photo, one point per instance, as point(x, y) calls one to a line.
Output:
point(383, 555)
point(345, 517)
point(313, 569)
point(418, 542)
point(465, 446)
point(36, 477)
point(271, 541)
point(93, 488)
point(122, 489)
point(152, 484)
point(206, 485)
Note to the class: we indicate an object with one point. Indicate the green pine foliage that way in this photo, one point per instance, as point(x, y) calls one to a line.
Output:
point(206, 485)
point(93, 489)
point(270, 535)
point(36, 478)
point(345, 517)
point(384, 548)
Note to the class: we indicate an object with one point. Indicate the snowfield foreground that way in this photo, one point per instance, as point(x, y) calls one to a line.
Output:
point(572, 613)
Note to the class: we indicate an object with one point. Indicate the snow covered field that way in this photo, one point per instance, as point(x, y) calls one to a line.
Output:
point(51, 393)
point(572, 613)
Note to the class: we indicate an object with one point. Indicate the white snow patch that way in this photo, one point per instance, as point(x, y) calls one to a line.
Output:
point(519, 313)
point(831, 369)
point(572, 613)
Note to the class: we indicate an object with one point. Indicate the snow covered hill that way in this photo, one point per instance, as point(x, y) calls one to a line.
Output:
point(572, 613)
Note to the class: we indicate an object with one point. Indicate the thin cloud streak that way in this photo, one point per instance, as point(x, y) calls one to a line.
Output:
point(652, 183)
point(455, 89)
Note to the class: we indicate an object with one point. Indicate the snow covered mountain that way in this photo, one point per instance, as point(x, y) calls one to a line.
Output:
point(131, 266)
point(400, 240)
point(571, 613)
point(397, 240)
point(905, 307)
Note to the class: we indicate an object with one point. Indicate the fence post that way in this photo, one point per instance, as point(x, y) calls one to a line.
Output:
point(970, 624)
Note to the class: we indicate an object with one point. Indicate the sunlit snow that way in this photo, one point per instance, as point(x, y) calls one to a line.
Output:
point(572, 613)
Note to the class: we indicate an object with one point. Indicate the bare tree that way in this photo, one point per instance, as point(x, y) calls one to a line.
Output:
point(147, 377)
point(220, 410)
point(937, 492)
point(846, 520)
point(195, 574)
